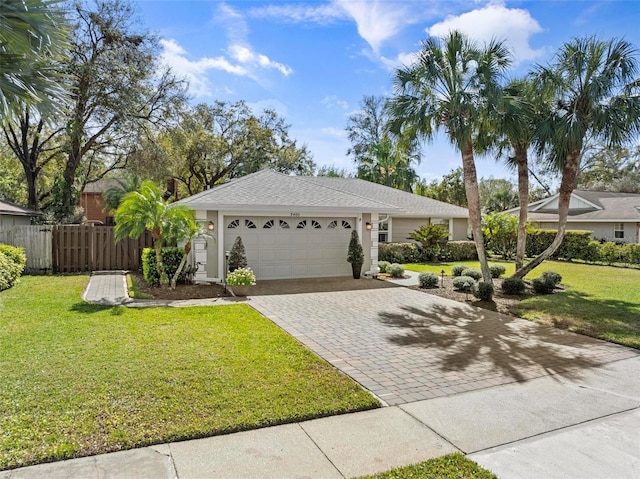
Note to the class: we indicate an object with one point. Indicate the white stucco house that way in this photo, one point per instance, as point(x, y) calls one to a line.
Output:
point(299, 226)
point(608, 215)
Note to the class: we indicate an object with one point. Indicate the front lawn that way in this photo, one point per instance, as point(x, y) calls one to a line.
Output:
point(79, 379)
point(600, 301)
point(451, 466)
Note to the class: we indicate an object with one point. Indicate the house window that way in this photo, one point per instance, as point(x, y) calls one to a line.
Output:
point(618, 230)
point(249, 224)
point(233, 224)
point(315, 224)
point(346, 225)
point(333, 224)
point(284, 224)
point(268, 224)
point(302, 225)
point(383, 232)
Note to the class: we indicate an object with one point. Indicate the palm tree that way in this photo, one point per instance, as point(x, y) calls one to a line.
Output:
point(596, 95)
point(186, 231)
point(147, 210)
point(114, 194)
point(453, 85)
point(32, 38)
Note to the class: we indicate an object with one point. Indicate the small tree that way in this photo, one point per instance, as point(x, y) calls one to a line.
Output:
point(431, 237)
point(501, 232)
point(237, 257)
point(355, 255)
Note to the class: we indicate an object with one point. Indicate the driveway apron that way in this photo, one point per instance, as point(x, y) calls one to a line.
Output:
point(405, 345)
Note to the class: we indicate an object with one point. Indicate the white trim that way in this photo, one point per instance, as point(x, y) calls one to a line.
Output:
point(374, 244)
point(220, 239)
point(557, 195)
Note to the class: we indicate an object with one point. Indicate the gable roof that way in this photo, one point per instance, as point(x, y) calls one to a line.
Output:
point(11, 209)
point(598, 206)
point(268, 190)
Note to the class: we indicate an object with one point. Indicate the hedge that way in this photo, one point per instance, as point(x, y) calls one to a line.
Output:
point(413, 252)
point(12, 263)
point(171, 257)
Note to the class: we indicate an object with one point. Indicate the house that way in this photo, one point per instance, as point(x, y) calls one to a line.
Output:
point(92, 201)
point(14, 215)
point(611, 216)
point(299, 227)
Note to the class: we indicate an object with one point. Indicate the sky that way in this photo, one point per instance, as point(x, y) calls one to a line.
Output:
point(314, 61)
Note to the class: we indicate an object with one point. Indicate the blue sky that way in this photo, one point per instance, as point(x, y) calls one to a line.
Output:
point(313, 61)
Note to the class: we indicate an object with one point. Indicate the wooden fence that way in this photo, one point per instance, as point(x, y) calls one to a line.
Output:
point(36, 241)
point(75, 248)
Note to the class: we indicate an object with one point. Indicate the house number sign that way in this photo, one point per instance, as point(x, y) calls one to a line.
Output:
point(295, 214)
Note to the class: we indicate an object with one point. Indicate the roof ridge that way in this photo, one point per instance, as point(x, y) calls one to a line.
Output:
point(222, 186)
point(304, 179)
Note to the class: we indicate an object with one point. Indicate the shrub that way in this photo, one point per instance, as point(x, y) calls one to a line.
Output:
point(463, 283)
point(632, 253)
point(483, 291)
point(459, 251)
point(428, 280)
point(431, 238)
point(237, 256)
point(501, 232)
point(474, 273)
point(171, 257)
point(512, 286)
point(543, 286)
point(552, 277)
point(610, 252)
point(241, 277)
point(383, 266)
point(399, 252)
point(12, 262)
point(575, 244)
point(457, 269)
point(497, 270)
point(396, 270)
point(592, 252)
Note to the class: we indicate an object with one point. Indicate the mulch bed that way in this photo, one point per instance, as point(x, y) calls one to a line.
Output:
point(182, 291)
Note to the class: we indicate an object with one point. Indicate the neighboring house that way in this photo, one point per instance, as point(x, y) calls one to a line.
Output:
point(299, 226)
point(611, 216)
point(92, 202)
point(14, 215)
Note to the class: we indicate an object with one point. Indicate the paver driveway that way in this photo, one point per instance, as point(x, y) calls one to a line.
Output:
point(404, 345)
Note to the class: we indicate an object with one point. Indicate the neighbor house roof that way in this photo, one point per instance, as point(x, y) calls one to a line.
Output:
point(8, 208)
point(101, 186)
point(590, 206)
point(269, 190)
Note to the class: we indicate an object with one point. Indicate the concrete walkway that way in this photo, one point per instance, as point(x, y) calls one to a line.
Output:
point(580, 419)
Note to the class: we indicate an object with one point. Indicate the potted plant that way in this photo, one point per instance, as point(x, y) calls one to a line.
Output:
point(355, 255)
point(241, 280)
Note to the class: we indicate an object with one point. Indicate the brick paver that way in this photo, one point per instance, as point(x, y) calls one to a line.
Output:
point(404, 345)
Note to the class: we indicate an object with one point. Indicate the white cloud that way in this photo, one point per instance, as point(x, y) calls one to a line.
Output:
point(332, 101)
point(320, 14)
point(245, 55)
point(333, 132)
point(495, 21)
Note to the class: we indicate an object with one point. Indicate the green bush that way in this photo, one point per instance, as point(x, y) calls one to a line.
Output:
point(428, 280)
point(463, 283)
point(610, 252)
point(592, 252)
point(396, 270)
point(512, 286)
point(431, 238)
point(497, 270)
point(575, 244)
point(483, 291)
point(501, 233)
point(459, 251)
point(383, 266)
point(552, 277)
point(12, 262)
point(400, 252)
point(171, 257)
point(632, 253)
point(457, 269)
point(474, 273)
point(543, 285)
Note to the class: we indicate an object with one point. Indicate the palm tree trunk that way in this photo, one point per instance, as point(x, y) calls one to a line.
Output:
point(473, 201)
point(523, 195)
point(174, 280)
point(568, 184)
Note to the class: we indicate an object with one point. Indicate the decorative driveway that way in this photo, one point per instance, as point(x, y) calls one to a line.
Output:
point(404, 345)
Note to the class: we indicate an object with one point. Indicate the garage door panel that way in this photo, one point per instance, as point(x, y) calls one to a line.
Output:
point(298, 254)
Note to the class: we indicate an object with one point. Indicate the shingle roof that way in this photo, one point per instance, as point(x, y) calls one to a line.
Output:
point(269, 189)
point(7, 208)
point(609, 206)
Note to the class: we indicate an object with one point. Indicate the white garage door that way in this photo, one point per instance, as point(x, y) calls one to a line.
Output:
point(290, 247)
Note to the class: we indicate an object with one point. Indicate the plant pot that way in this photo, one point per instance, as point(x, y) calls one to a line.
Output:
point(241, 289)
point(356, 268)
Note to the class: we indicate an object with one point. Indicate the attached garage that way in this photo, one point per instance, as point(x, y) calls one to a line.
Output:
point(292, 247)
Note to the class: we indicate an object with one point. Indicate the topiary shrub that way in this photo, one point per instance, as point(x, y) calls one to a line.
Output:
point(396, 270)
point(512, 286)
point(383, 266)
point(237, 256)
point(171, 258)
point(483, 291)
point(497, 270)
point(463, 283)
point(591, 252)
point(474, 273)
point(610, 252)
point(428, 280)
point(459, 251)
point(400, 252)
point(457, 269)
point(552, 277)
point(12, 262)
point(543, 286)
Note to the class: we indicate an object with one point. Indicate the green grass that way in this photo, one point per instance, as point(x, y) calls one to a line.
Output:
point(79, 379)
point(599, 301)
point(451, 466)
point(132, 289)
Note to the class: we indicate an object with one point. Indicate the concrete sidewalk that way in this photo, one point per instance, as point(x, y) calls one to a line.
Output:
point(579, 426)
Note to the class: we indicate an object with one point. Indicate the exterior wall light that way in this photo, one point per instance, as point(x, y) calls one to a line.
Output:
point(210, 226)
point(368, 225)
